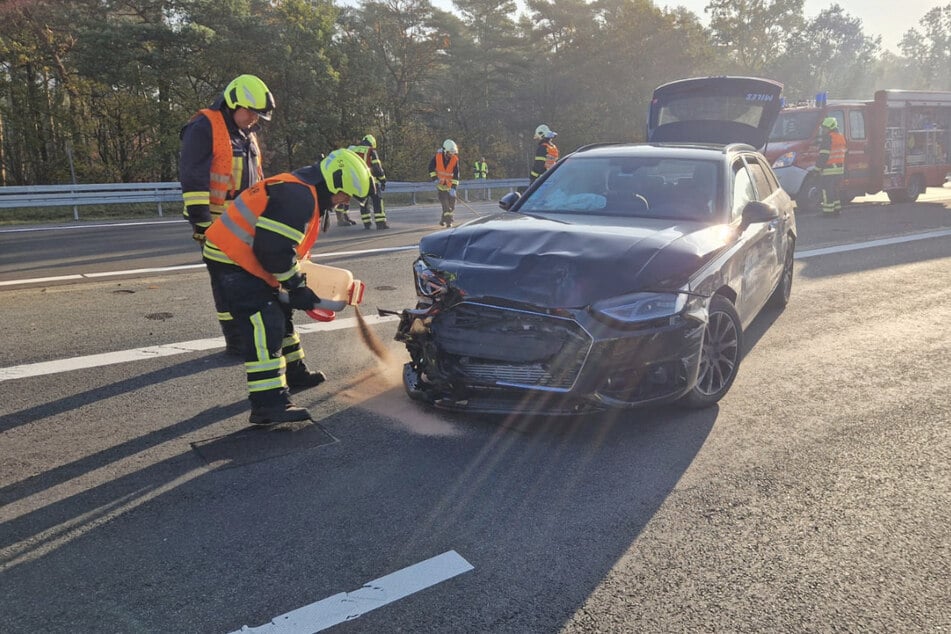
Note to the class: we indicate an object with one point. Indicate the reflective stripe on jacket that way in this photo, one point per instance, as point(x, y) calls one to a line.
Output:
point(233, 232)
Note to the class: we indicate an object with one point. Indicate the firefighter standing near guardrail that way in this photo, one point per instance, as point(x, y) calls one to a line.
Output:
point(220, 157)
point(253, 253)
point(480, 171)
point(831, 166)
point(366, 148)
point(546, 152)
point(444, 171)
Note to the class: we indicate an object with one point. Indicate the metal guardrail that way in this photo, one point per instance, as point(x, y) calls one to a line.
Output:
point(18, 197)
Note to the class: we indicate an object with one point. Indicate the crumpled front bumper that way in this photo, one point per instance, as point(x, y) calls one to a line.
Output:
point(486, 358)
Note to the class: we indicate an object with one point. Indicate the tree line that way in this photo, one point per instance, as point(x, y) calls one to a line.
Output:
point(98, 90)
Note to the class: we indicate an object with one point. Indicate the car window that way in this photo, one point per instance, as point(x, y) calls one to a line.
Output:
point(760, 180)
point(743, 191)
point(634, 186)
point(794, 125)
point(856, 125)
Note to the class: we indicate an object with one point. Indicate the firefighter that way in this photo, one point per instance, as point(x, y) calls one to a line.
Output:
point(480, 171)
point(444, 171)
point(220, 157)
point(831, 166)
point(546, 152)
point(366, 148)
point(253, 253)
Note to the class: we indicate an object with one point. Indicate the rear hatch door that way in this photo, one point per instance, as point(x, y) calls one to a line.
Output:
point(716, 110)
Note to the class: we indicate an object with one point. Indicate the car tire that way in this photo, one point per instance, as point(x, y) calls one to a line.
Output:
point(916, 187)
point(780, 296)
point(809, 198)
point(720, 355)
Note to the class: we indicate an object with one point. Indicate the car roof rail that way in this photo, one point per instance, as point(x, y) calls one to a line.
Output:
point(591, 146)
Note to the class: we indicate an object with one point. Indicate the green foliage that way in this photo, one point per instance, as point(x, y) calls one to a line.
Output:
point(98, 90)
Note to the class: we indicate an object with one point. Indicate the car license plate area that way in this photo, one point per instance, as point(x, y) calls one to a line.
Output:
point(500, 346)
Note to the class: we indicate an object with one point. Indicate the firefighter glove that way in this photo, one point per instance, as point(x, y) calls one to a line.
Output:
point(198, 231)
point(302, 298)
point(452, 192)
point(382, 186)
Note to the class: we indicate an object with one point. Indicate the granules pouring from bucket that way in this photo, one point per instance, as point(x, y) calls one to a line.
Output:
point(370, 340)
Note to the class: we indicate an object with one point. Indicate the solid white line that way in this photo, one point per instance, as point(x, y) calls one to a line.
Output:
point(95, 226)
point(842, 248)
point(347, 606)
point(182, 267)
point(152, 352)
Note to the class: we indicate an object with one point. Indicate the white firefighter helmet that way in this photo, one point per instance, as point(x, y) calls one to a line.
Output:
point(450, 146)
point(544, 132)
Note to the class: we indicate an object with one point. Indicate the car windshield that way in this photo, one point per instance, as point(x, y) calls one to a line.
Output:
point(629, 186)
point(794, 126)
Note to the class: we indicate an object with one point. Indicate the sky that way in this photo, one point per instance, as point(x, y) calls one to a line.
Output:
point(888, 18)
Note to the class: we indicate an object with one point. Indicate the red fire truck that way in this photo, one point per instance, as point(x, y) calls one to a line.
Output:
point(899, 143)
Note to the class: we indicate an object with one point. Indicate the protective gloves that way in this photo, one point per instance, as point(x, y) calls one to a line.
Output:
point(382, 186)
point(302, 298)
point(299, 295)
point(452, 192)
point(198, 231)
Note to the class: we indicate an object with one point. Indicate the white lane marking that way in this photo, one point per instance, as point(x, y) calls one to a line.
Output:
point(151, 352)
point(842, 248)
point(134, 223)
point(346, 606)
point(168, 269)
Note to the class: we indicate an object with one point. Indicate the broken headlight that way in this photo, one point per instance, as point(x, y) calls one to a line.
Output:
point(428, 282)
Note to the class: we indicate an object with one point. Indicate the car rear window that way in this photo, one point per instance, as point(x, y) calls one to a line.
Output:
point(630, 186)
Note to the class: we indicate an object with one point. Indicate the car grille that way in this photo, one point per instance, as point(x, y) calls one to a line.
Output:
point(493, 345)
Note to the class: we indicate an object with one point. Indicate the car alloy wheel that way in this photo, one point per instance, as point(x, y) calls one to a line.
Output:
point(719, 355)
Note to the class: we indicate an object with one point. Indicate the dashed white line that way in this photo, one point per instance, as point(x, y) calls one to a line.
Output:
point(346, 606)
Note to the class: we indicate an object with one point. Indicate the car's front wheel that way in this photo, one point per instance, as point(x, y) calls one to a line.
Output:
point(719, 355)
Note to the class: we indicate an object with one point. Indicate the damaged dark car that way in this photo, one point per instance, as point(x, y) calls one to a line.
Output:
point(623, 277)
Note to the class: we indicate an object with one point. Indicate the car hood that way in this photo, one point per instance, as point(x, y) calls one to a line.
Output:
point(566, 264)
point(775, 149)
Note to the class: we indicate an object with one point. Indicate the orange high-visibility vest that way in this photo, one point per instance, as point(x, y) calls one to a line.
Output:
point(445, 172)
point(837, 152)
point(233, 231)
point(551, 154)
point(225, 171)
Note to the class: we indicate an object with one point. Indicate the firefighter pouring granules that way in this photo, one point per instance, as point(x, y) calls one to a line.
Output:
point(253, 253)
point(831, 165)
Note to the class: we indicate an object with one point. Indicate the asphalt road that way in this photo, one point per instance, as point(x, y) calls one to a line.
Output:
point(134, 498)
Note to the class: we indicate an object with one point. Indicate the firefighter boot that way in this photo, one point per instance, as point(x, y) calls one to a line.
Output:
point(234, 342)
point(274, 407)
point(382, 225)
point(298, 376)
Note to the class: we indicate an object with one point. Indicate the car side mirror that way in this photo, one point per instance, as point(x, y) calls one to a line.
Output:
point(756, 211)
point(506, 201)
